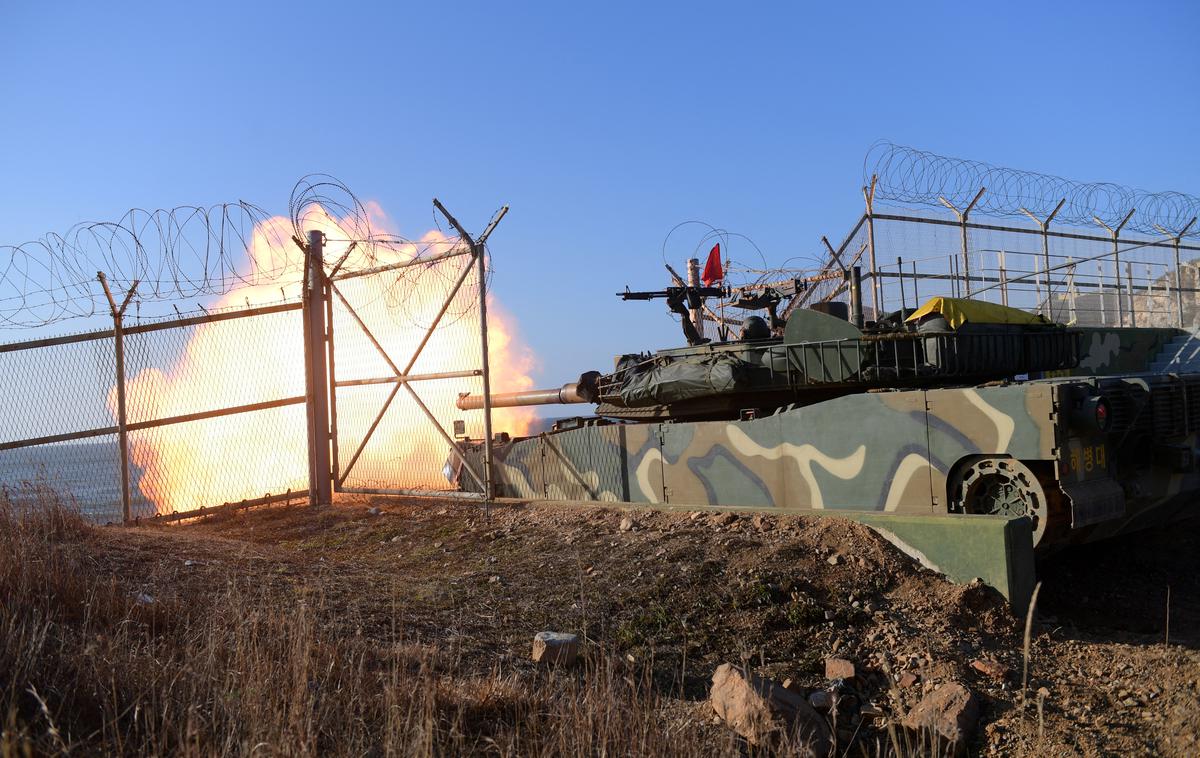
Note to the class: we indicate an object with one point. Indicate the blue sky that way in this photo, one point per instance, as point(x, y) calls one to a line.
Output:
point(602, 125)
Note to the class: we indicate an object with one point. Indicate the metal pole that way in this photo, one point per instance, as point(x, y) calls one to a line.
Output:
point(1072, 293)
point(1115, 234)
point(1150, 309)
point(693, 280)
point(118, 314)
point(1129, 293)
point(1003, 278)
point(1176, 238)
point(966, 257)
point(331, 363)
point(1045, 227)
point(856, 304)
point(1179, 283)
point(900, 276)
point(488, 481)
point(1102, 293)
point(320, 490)
point(479, 249)
point(963, 215)
point(869, 197)
point(916, 294)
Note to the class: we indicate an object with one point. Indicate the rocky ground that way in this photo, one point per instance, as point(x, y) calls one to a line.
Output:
point(826, 607)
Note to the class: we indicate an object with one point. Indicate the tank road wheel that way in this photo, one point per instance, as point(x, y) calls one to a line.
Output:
point(1000, 487)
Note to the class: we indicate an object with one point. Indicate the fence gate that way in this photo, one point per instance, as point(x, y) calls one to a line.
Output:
point(405, 339)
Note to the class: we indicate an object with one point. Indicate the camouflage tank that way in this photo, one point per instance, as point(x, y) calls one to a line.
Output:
point(958, 407)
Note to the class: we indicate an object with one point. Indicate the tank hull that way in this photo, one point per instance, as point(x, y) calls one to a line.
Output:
point(890, 452)
point(983, 449)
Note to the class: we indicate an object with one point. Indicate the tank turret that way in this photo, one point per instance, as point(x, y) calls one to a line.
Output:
point(818, 356)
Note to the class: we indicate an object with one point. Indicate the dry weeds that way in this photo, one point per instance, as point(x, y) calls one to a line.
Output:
point(294, 631)
point(90, 665)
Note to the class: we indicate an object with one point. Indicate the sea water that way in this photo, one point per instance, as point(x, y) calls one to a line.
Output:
point(83, 474)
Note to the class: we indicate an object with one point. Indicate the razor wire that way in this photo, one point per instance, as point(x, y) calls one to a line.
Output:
point(187, 252)
point(908, 176)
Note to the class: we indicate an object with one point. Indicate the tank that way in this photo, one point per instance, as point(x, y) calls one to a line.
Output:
point(958, 407)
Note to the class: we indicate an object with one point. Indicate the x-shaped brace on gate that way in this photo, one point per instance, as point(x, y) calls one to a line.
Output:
point(402, 377)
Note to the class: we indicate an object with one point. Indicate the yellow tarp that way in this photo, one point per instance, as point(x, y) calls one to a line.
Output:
point(958, 311)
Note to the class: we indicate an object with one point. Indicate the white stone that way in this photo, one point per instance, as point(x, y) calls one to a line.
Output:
point(558, 648)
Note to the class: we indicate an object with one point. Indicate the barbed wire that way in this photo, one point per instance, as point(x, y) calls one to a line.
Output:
point(908, 176)
point(188, 252)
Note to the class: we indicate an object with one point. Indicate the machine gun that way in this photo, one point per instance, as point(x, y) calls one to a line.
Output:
point(681, 300)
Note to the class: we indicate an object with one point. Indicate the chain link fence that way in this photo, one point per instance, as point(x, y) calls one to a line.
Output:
point(202, 393)
point(1071, 275)
point(350, 378)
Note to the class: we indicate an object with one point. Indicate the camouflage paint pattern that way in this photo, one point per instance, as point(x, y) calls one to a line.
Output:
point(882, 451)
point(897, 451)
point(1109, 350)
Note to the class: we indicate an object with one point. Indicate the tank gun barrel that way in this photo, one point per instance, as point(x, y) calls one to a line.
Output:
point(582, 391)
point(568, 393)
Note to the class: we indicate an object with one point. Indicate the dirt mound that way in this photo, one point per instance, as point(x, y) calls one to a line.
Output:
point(688, 592)
point(670, 596)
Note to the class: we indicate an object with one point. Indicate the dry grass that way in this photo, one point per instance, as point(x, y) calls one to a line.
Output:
point(90, 666)
point(337, 632)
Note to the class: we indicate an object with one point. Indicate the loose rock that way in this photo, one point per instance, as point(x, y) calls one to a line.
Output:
point(762, 711)
point(556, 648)
point(992, 669)
point(839, 668)
point(724, 519)
point(950, 712)
point(820, 700)
point(627, 524)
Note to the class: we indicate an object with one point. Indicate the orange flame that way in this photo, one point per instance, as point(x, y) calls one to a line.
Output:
point(242, 361)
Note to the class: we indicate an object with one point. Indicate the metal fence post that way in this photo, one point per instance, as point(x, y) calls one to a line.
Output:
point(1115, 234)
point(118, 315)
point(1176, 238)
point(485, 366)
point(963, 215)
point(1179, 280)
point(1003, 271)
point(1129, 293)
point(876, 295)
point(320, 481)
point(1071, 291)
point(1103, 295)
point(478, 250)
point(1045, 227)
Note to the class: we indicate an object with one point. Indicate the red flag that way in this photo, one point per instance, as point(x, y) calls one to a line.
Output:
point(712, 267)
